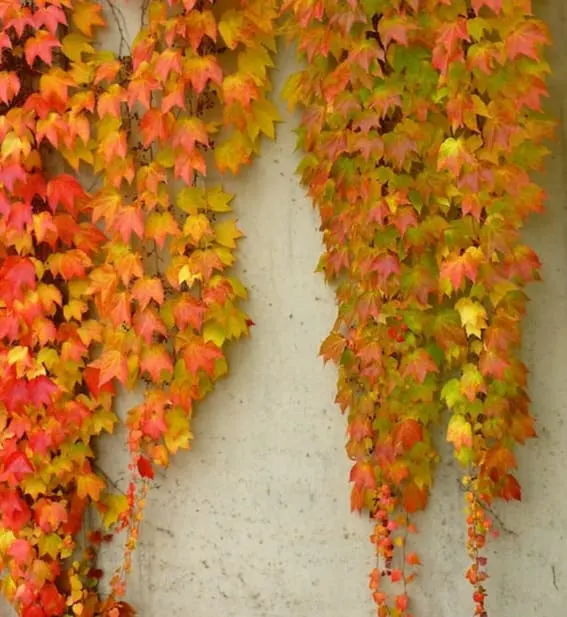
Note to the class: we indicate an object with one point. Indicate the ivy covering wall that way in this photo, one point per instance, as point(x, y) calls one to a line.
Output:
point(421, 122)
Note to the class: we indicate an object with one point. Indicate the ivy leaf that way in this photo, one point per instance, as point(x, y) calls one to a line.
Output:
point(112, 507)
point(473, 316)
point(86, 16)
point(459, 432)
point(362, 474)
point(41, 46)
point(145, 468)
point(112, 364)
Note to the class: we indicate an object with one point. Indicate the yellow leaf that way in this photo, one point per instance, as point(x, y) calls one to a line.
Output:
point(89, 485)
point(86, 15)
point(178, 435)
point(213, 331)
point(74, 45)
point(103, 420)
point(33, 486)
point(50, 544)
point(291, 91)
point(191, 199)
point(264, 115)
point(233, 153)
point(17, 354)
point(218, 200)
point(459, 432)
point(473, 316)
point(48, 357)
point(231, 26)
point(227, 233)
point(255, 61)
point(113, 506)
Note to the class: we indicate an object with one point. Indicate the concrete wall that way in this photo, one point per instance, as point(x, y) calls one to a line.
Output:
point(255, 521)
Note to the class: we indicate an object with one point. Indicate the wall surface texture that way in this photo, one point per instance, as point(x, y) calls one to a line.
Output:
point(255, 520)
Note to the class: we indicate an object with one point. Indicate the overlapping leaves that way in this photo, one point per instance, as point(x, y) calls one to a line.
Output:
point(125, 284)
point(421, 121)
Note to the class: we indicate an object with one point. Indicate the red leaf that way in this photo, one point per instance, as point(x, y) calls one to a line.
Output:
point(525, 39)
point(52, 602)
point(414, 498)
point(402, 602)
point(18, 465)
point(41, 45)
point(145, 468)
point(362, 474)
point(511, 489)
point(201, 356)
point(67, 191)
point(408, 433)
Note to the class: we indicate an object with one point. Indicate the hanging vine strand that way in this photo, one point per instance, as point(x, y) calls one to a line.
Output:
point(421, 120)
point(147, 302)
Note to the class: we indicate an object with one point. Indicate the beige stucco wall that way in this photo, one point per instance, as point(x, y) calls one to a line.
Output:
point(255, 521)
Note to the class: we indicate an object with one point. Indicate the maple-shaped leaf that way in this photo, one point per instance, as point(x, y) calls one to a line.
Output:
point(155, 125)
point(473, 316)
point(459, 432)
point(17, 274)
point(526, 39)
point(333, 347)
point(414, 498)
point(9, 86)
point(178, 434)
point(52, 601)
point(511, 488)
point(241, 89)
point(453, 155)
point(89, 485)
point(159, 225)
point(49, 514)
point(199, 355)
point(129, 220)
point(418, 364)
point(146, 323)
point(41, 46)
point(65, 190)
point(145, 468)
point(189, 311)
point(202, 69)
point(15, 467)
point(112, 507)
point(362, 474)
point(226, 233)
point(147, 289)
point(231, 27)
point(200, 24)
point(407, 433)
point(86, 16)
point(22, 551)
point(154, 360)
point(112, 364)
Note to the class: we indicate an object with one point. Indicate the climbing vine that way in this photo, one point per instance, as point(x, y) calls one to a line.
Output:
point(115, 258)
point(421, 120)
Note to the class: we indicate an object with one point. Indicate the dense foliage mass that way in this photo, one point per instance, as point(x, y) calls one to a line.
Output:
point(123, 280)
point(421, 120)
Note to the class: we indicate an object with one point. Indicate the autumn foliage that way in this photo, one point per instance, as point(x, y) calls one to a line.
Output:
point(421, 120)
point(115, 264)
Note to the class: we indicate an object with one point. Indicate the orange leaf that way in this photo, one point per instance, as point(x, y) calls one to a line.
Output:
point(112, 364)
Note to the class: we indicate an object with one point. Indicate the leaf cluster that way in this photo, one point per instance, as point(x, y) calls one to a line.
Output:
point(116, 253)
point(421, 120)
